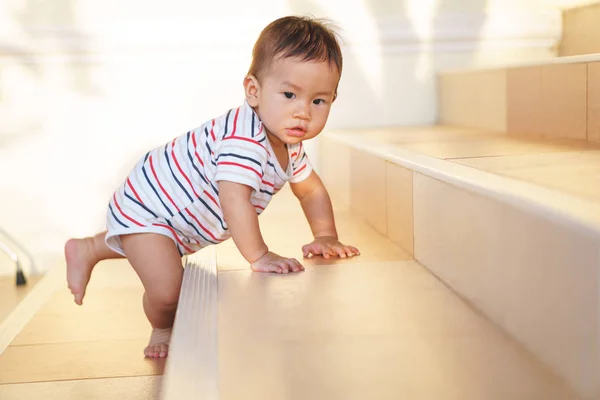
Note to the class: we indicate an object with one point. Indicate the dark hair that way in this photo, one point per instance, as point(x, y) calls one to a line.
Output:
point(306, 38)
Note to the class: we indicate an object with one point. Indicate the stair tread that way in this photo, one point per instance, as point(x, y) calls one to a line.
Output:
point(560, 166)
point(570, 59)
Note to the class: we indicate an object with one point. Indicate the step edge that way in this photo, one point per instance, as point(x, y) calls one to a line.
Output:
point(191, 371)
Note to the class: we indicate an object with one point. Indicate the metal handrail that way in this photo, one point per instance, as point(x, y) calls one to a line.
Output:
point(20, 275)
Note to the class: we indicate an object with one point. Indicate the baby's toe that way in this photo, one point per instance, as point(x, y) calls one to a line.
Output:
point(152, 351)
point(163, 350)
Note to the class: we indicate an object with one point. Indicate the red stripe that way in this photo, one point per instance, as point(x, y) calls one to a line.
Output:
point(235, 121)
point(122, 213)
point(195, 148)
point(300, 170)
point(268, 183)
point(212, 198)
point(212, 131)
point(134, 192)
point(294, 154)
point(176, 237)
point(261, 128)
point(240, 165)
point(161, 186)
point(262, 208)
point(181, 171)
point(201, 226)
point(246, 139)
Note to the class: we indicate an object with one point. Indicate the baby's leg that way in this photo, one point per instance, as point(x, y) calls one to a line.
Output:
point(157, 262)
point(82, 255)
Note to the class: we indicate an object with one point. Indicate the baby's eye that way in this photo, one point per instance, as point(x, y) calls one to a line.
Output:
point(319, 101)
point(288, 95)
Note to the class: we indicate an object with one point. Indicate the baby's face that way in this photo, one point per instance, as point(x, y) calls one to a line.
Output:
point(295, 98)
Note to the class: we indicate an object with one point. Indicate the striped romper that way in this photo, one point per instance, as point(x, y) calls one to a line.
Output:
point(174, 189)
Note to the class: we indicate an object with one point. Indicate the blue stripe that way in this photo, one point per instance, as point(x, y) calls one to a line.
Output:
point(115, 217)
point(196, 229)
point(140, 204)
point(155, 191)
point(240, 157)
point(227, 123)
point(253, 115)
point(208, 147)
point(175, 229)
point(192, 160)
point(175, 177)
point(266, 192)
point(213, 213)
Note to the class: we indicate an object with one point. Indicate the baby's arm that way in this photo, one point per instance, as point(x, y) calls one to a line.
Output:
point(317, 207)
point(242, 221)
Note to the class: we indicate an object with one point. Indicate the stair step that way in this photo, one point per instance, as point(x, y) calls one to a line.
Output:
point(581, 33)
point(367, 327)
point(557, 98)
point(499, 219)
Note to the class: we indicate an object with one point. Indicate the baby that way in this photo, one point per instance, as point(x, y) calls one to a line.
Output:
point(212, 182)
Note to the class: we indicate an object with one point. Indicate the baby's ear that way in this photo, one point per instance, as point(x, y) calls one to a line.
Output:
point(251, 88)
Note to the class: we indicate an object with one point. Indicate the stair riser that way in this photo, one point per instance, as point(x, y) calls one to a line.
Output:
point(557, 100)
point(581, 32)
point(535, 278)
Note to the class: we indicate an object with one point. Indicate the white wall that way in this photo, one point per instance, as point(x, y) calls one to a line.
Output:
point(87, 86)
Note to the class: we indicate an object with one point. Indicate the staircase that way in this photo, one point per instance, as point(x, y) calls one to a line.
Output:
point(500, 201)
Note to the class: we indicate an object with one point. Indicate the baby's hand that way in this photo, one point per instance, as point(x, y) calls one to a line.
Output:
point(329, 246)
point(272, 262)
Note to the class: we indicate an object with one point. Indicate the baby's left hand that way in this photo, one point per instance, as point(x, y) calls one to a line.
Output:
point(328, 246)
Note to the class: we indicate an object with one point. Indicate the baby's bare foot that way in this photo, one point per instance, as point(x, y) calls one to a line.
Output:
point(80, 261)
point(158, 347)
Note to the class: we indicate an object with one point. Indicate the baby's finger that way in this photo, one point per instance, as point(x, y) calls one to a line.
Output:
point(306, 250)
point(285, 267)
point(340, 251)
point(348, 250)
point(310, 249)
point(295, 265)
point(268, 267)
point(355, 250)
point(320, 249)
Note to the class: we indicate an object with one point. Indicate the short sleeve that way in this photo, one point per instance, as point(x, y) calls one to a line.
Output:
point(301, 166)
point(241, 160)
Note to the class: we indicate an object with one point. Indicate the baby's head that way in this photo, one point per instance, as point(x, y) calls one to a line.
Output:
point(293, 79)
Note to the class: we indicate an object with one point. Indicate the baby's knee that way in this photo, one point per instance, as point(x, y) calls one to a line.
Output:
point(164, 299)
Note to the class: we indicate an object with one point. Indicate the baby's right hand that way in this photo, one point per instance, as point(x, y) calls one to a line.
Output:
point(272, 262)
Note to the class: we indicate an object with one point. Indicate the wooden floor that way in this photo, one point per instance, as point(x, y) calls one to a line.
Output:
point(375, 326)
point(11, 294)
point(566, 165)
